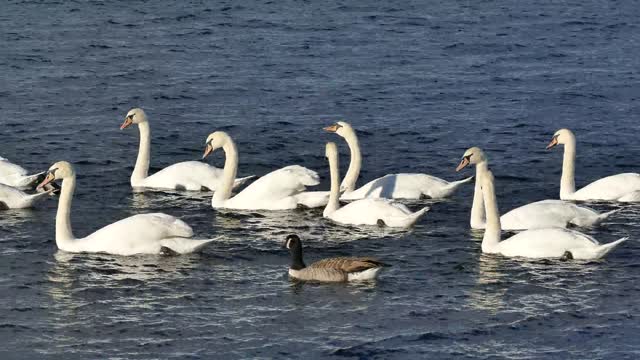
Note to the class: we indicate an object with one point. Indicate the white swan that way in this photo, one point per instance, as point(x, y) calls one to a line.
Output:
point(540, 214)
point(538, 243)
point(620, 187)
point(187, 175)
point(364, 211)
point(15, 175)
point(391, 186)
point(13, 198)
point(139, 234)
point(278, 190)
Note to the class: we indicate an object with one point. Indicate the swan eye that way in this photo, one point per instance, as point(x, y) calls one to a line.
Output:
point(468, 157)
point(130, 117)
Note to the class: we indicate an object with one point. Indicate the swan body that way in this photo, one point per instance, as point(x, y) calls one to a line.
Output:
point(138, 234)
point(552, 213)
point(364, 211)
point(620, 187)
point(338, 269)
point(391, 186)
point(540, 214)
point(15, 175)
point(405, 186)
point(187, 175)
point(278, 190)
point(12, 198)
point(536, 243)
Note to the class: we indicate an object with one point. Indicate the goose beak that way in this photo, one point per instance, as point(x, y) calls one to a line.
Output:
point(332, 128)
point(207, 151)
point(553, 143)
point(127, 122)
point(50, 177)
point(463, 164)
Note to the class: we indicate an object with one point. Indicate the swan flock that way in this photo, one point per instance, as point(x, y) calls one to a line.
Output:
point(542, 225)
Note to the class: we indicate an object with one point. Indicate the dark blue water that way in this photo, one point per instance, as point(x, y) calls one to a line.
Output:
point(421, 81)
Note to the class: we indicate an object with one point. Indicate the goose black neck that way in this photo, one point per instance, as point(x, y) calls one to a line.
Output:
point(296, 258)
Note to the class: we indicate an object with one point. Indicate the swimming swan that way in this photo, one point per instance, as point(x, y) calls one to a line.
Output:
point(364, 211)
point(391, 186)
point(539, 214)
point(620, 187)
point(139, 234)
point(186, 175)
point(538, 243)
point(278, 190)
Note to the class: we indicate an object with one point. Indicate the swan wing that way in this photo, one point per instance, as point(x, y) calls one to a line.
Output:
point(405, 186)
point(610, 188)
point(279, 184)
point(372, 211)
point(14, 175)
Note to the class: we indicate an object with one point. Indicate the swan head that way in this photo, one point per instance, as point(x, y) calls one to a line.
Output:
point(472, 156)
point(215, 141)
point(341, 128)
point(562, 136)
point(134, 116)
point(58, 171)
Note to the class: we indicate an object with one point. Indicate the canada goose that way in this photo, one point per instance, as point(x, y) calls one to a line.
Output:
point(338, 269)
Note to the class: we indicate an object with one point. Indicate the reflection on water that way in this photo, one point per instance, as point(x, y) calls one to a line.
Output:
point(531, 286)
point(490, 286)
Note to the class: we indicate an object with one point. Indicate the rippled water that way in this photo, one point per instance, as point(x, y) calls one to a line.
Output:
point(421, 81)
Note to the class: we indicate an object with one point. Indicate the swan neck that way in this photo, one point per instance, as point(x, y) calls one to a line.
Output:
point(141, 169)
point(477, 208)
point(493, 228)
point(64, 234)
point(355, 164)
point(334, 194)
point(568, 182)
point(229, 172)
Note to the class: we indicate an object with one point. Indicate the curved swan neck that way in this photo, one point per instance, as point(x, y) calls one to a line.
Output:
point(141, 169)
point(64, 234)
point(493, 228)
point(229, 172)
point(477, 209)
point(355, 164)
point(334, 194)
point(568, 182)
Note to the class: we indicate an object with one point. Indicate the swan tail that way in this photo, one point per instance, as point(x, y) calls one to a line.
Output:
point(186, 246)
point(605, 216)
point(31, 180)
point(313, 199)
point(452, 186)
point(604, 249)
point(588, 221)
point(409, 220)
point(241, 181)
point(31, 199)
